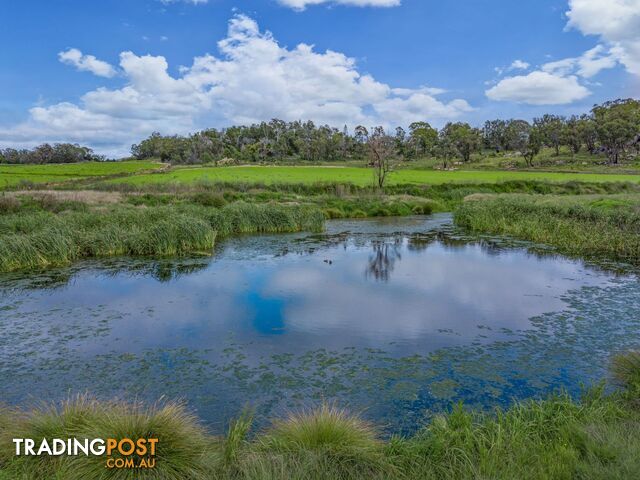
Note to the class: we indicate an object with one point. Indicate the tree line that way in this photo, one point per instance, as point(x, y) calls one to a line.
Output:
point(46, 153)
point(612, 128)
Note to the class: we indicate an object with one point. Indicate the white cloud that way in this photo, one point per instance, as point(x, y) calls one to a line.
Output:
point(519, 65)
point(539, 88)
point(253, 79)
point(302, 4)
point(515, 65)
point(588, 65)
point(86, 63)
point(617, 22)
point(555, 83)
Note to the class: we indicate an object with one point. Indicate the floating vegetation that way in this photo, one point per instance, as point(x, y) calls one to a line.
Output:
point(564, 349)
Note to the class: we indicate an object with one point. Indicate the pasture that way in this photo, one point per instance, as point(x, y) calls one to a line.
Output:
point(357, 176)
point(11, 175)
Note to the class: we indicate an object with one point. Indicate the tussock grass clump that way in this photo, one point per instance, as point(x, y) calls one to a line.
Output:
point(327, 428)
point(326, 443)
point(625, 368)
point(181, 449)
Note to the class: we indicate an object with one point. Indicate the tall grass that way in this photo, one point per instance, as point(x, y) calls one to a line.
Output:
point(583, 225)
point(626, 369)
point(340, 200)
point(35, 239)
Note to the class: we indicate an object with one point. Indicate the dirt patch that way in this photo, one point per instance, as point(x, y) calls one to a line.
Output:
point(90, 197)
point(474, 197)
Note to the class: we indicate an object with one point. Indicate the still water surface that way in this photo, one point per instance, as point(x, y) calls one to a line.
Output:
point(393, 318)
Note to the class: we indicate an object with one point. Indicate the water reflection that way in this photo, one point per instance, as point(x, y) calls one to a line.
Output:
point(382, 312)
point(383, 259)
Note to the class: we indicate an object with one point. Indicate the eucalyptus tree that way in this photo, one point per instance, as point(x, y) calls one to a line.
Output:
point(423, 138)
point(572, 134)
point(465, 139)
point(515, 134)
point(617, 126)
point(588, 132)
point(494, 134)
point(551, 129)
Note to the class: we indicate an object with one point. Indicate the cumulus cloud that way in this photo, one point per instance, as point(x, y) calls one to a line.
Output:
point(253, 79)
point(539, 88)
point(588, 65)
point(616, 22)
point(302, 4)
point(554, 83)
point(86, 63)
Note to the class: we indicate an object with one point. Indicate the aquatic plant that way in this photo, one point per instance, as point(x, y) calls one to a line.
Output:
point(35, 239)
point(579, 225)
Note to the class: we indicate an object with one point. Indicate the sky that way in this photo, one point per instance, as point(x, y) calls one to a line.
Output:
point(108, 73)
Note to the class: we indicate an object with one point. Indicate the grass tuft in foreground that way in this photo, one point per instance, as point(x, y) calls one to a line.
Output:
point(596, 437)
point(625, 368)
point(181, 448)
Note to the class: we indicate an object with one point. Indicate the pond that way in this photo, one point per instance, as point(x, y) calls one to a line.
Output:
point(395, 319)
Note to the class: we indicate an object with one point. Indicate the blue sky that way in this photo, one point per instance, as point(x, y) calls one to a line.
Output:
point(94, 72)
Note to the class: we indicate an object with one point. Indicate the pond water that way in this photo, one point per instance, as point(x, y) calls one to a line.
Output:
point(395, 319)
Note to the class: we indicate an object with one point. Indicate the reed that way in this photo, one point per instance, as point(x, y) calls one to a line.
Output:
point(602, 226)
point(34, 239)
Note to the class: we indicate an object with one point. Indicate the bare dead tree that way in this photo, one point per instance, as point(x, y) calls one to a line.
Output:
point(382, 154)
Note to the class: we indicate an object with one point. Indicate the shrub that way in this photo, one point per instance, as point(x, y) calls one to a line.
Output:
point(209, 199)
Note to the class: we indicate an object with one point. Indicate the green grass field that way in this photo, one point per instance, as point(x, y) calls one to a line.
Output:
point(11, 175)
point(357, 176)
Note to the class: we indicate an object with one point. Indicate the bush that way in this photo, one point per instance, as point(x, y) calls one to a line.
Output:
point(209, 199)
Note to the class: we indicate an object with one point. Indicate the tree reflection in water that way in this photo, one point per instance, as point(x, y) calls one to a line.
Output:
point(382, 260)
